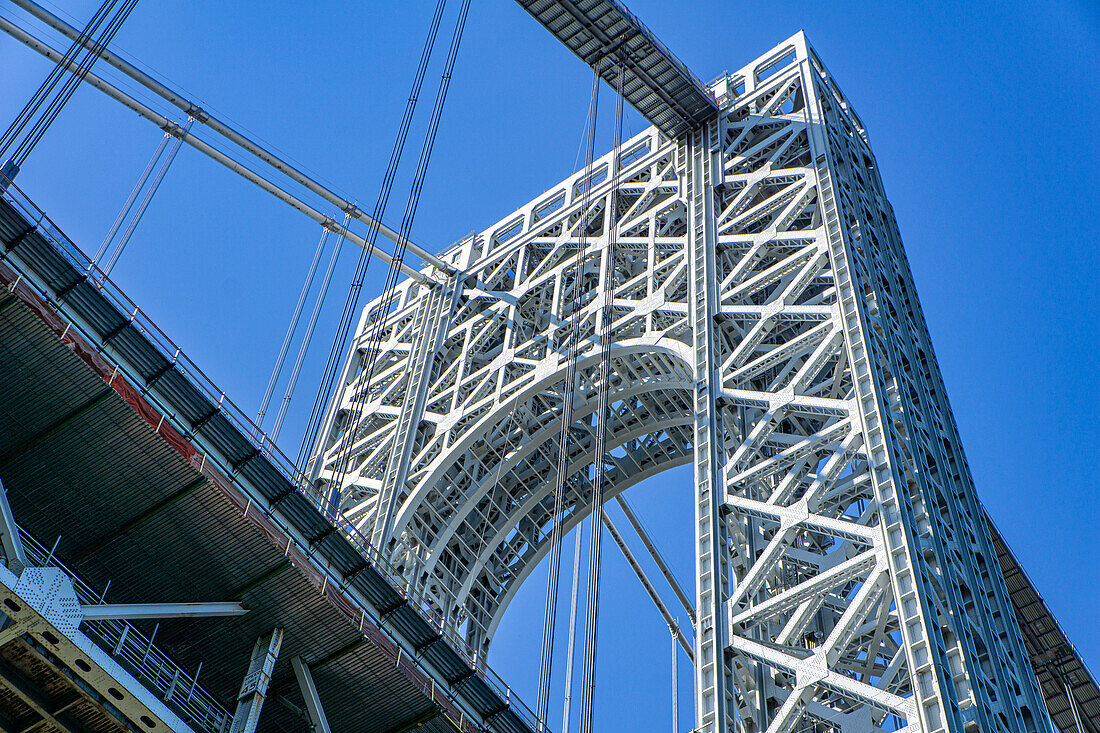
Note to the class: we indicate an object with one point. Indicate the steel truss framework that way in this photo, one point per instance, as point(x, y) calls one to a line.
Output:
point(766, 328)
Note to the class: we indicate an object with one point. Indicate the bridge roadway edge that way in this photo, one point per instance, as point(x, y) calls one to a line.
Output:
point(405, 639)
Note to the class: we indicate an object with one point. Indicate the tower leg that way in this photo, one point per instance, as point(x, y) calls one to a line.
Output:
point(713, 676)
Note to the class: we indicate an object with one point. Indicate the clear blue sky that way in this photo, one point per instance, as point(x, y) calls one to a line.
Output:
point(984, 117)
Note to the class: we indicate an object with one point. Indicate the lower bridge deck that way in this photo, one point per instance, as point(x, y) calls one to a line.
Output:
point(149, 487)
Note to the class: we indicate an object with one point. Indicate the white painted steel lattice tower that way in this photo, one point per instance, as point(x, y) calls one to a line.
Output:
point(766, 328)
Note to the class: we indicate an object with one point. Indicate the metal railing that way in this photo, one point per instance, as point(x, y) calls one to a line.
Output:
point(136, 652)
point(251, 432)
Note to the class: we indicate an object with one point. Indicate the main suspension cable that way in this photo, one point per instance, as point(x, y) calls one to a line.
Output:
point(570, 345)
point(607, 312)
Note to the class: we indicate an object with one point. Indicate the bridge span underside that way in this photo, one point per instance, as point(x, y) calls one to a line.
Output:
point(765, 328)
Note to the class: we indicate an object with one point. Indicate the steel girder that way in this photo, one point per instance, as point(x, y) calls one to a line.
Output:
point(766, 328)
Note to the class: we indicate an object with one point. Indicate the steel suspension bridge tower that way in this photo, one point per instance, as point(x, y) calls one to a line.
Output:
point(727, 290)
point(765, 328)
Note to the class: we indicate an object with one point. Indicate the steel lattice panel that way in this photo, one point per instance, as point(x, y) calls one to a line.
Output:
point(764, 326)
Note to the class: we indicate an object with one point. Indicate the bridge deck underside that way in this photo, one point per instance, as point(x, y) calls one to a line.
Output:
point(34, 691)
point(1056, 662)
point(655, 82)
point(85, 458)
point(82, 465)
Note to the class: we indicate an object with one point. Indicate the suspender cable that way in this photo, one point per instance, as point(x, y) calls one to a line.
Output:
point(572, 631)
point(571, 345)
point(675, 696)
point(294, 320)
point(140, 212)
point(50, 82)
point(303, 349)
point(125, 210)
point(344, 453)
point(56, 102)
point(71, 83)
point(313, 426)
point(389, 292)
point(602, 415)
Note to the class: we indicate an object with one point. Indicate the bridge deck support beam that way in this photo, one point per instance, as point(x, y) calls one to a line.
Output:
point(9, 535)
point(133, 611)
point(309, 694)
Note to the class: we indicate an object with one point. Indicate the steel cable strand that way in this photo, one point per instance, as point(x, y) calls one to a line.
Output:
point(344, 326)
point(675, 694)
point(572, 631)
point(140, 211)
point(291, 329)
point(316, 417)
point(570, 344)
point(307, 338)
point(571, 646)
point(50, 82)
point(71, 84)
point(602, 415)
point(343, 455)
point(129, 203)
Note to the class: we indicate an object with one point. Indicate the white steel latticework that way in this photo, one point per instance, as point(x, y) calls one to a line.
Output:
point(765, 327)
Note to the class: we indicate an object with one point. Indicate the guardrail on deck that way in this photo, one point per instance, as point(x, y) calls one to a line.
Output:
point(137, 654)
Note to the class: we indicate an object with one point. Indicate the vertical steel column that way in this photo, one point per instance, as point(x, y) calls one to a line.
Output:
point(434, 318)
point(254, 688)
point(924, 646)
point(713, 676)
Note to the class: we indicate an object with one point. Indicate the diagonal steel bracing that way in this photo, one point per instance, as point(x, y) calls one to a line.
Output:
point(766, 329)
